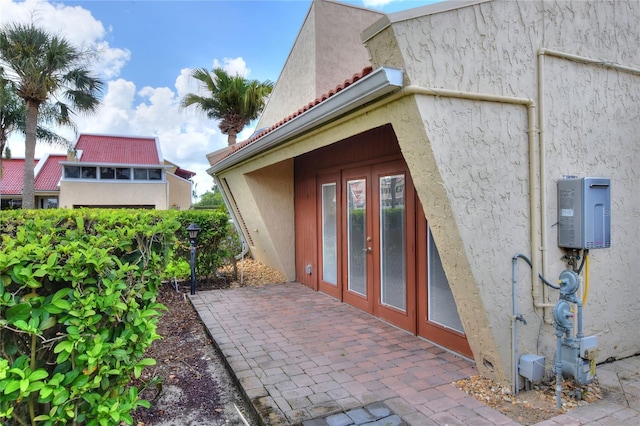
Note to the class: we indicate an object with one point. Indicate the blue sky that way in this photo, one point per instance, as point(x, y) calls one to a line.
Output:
point(146, 50)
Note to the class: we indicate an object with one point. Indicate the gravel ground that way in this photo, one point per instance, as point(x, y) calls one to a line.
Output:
point(531, 406)
point(196, 387)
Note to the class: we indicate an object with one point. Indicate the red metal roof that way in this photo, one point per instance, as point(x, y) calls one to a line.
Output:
point(184, 174)
point(12, 176)
point(50, 173)
point(357, 76)
point(118, 149)
point(46, 180)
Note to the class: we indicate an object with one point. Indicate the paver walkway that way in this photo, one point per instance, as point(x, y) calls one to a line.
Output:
point(302, 357)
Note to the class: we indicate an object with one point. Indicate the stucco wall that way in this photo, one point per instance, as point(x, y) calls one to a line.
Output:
point(263, 193)
point(326, 52)
point(179, 192)
point(470, 159)
point(591, 127)
point(113, 194)
point(296, 84)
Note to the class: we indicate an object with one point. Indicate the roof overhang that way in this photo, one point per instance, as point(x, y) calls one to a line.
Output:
point(430, 9)
point(378, 83)
point(95, 164)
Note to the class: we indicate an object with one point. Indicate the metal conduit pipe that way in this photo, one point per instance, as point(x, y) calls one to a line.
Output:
point(232, 212)
point(542, 146)
point(557, 368)
point(538, 300)
point(514, 320)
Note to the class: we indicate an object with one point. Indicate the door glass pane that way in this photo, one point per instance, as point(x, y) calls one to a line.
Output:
point(392, 242)
point(442, 306)
point(329, 234)
point(356, 235)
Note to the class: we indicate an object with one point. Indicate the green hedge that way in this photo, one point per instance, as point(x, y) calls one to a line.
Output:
point(78, 311)
point(211, 246)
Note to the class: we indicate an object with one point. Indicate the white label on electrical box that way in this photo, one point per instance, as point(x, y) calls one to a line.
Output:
point(566, 212)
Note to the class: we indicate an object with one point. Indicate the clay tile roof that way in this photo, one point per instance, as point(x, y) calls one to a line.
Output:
point(118, 149)
point(357, 76)
point(12, 176)
point(50, 173)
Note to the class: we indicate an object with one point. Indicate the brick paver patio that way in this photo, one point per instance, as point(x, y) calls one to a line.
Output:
point(299, 354)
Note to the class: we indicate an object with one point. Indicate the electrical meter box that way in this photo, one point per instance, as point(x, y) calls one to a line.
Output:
point(584, 213)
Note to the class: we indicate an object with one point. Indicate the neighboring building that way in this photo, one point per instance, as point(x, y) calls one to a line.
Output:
point(103, 171)
point(408, 189)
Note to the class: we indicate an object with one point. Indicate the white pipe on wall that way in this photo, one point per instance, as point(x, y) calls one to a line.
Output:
point(538, 300)
point(542, 145)
point(234, 218)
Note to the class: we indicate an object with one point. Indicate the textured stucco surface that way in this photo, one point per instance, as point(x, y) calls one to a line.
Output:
point(326, 52)
point(469, 159)
point(117, 194)
point(179, 192)
point(263, 193)
point(590, 119)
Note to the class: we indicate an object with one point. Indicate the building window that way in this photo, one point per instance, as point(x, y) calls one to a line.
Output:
point(107, 173)
point(155, 174)
point(49, 203)
point(72, 172)
point(140, 174)
point(11, 203)
point(111, 173)
point(89, 173)
point(147, 174)
point(123, 173)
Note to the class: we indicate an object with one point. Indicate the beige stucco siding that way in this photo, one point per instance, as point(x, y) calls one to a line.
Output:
point(594, 130)
point(589, 119)
point(295, 85)
point(113, 194)
point(470, 159)
point(485, 185)
point(326, 52)
point(265, 199)
point(179, 192)
point(403, 114)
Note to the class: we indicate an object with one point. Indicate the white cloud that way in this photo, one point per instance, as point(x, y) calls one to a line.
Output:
point(186, 135)
point(76, 25)
point(376, 4)
point(233, 66)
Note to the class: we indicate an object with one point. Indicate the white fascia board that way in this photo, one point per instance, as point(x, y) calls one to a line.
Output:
point(380, 82)
point(88, 164)
point(40, 165)
point(403, 15)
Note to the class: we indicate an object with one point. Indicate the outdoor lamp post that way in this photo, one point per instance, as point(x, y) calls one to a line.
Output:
point(193, 231)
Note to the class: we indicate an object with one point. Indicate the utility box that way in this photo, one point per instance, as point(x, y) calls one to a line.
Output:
point(584, 213)
point(531, 367)
point(579, 358)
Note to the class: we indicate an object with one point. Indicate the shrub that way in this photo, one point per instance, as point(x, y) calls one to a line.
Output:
point(78, 311)
point(210, 250)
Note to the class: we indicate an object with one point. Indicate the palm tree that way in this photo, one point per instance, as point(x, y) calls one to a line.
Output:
point(12, 113)
point(234, 100)
point(44, 67)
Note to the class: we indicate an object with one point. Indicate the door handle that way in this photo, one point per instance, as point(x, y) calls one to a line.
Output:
point(368, 250)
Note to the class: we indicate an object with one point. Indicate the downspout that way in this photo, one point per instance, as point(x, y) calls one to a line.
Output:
point(538, 300)
point(548, 317)
point(245, 246)
point(168, 192)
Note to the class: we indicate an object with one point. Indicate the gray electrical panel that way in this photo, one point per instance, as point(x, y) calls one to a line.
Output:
point(584, 213)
